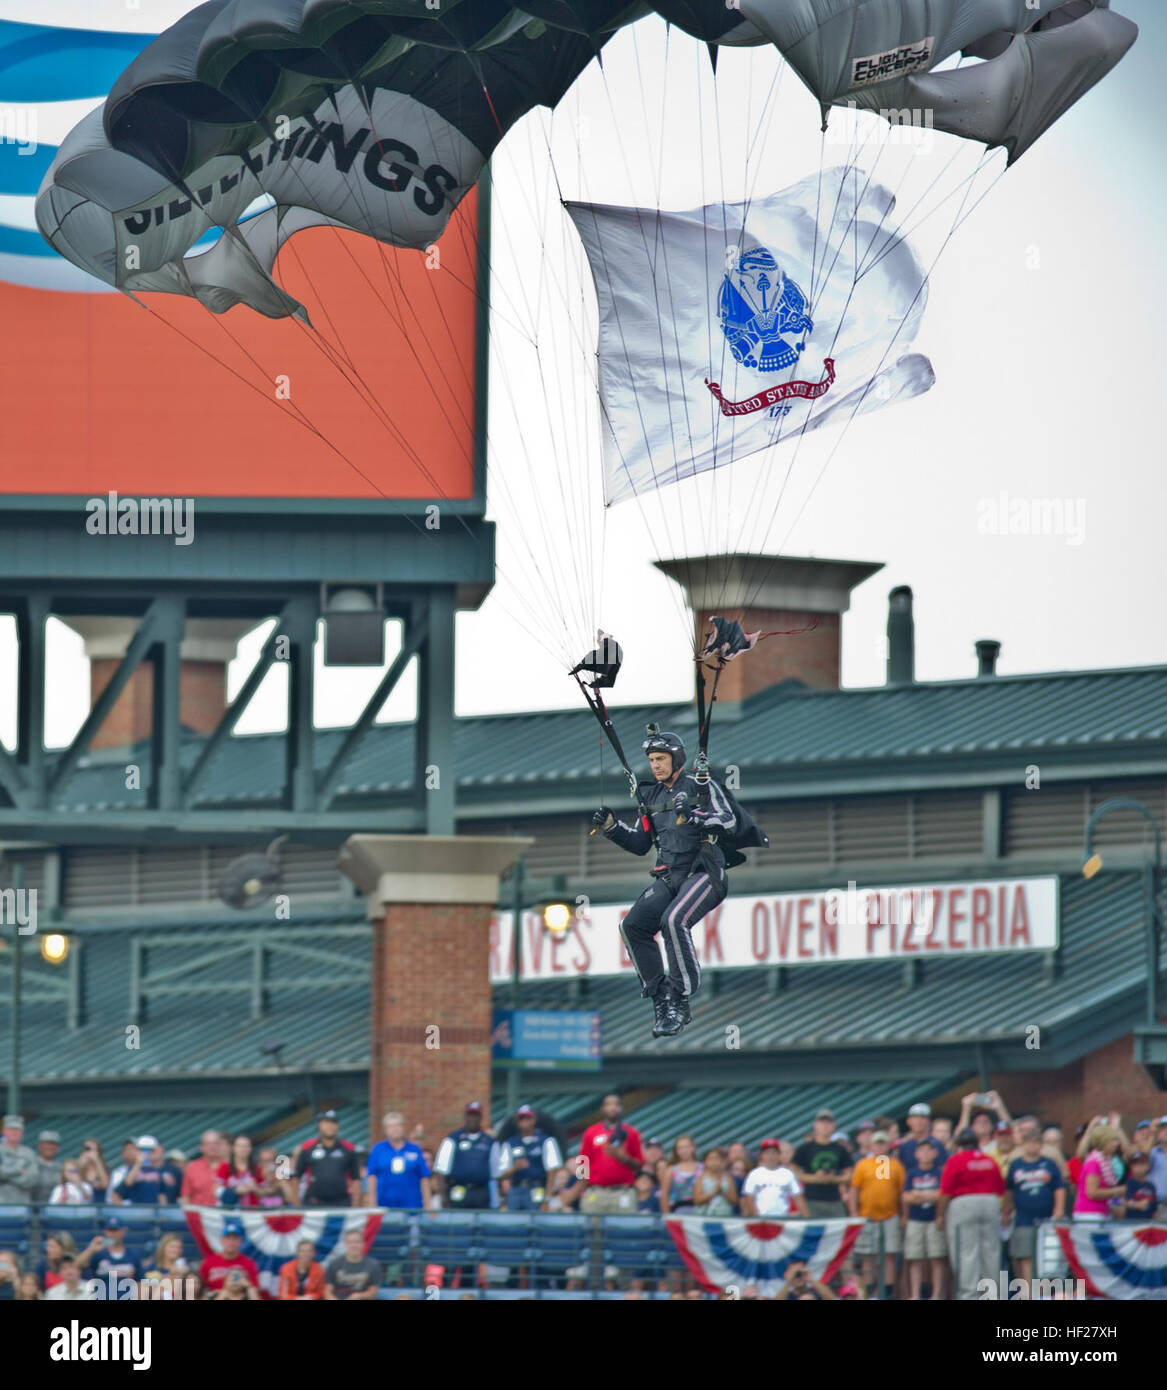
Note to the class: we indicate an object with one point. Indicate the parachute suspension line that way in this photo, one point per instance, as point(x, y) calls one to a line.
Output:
point(595, 702)
point(533, 595)
point(295, 413)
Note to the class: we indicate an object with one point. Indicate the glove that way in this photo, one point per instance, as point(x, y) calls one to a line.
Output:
point(603, 819)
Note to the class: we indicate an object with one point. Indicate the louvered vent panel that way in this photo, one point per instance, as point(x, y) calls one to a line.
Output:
point(873, 827)
point(947, 826)
point(96, 879)
point(800, 833)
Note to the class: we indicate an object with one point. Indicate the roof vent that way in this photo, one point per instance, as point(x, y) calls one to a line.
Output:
point(987, 654)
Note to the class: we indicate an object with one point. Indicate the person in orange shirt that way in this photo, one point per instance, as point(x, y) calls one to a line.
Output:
point(876, 1185)
point(302, 1279)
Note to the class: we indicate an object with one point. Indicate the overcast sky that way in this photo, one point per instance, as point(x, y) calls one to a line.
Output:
point(1041, 325)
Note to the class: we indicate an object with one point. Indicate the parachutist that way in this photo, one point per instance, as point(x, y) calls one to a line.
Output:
point(696, 828)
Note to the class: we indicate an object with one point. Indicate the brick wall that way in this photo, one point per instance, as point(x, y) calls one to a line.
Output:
point(431, 969)
point(203, 700)
point(1104, 1080)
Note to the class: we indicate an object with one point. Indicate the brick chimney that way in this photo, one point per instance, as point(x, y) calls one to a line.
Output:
point(773, 593)
point(208, 646)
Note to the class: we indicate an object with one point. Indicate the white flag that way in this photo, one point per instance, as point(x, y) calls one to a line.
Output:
point(734, 327)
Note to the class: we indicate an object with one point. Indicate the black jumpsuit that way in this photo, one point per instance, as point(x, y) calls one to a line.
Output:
point(685, 887)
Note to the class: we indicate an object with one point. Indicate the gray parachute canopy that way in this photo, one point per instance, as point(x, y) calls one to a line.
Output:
point(263, 117)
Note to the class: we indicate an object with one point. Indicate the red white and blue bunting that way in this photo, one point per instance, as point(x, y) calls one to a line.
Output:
point(733, 1253)
point(270, 1238)
point(1116, 1259)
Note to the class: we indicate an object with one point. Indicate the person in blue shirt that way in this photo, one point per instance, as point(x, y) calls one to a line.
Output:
point(106, 1258)
point(397, 1174)
point(1034, 1192)
point(1141, 1200)
point(462, 1165)
point(151, 1180)
point(919, 1131)
point(925, 1246)
point(526, 1162)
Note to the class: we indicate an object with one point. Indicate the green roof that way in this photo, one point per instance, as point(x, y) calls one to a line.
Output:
point(793, 733)
point(207, 1033)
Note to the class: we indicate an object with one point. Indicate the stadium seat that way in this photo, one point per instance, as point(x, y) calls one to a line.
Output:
point(447, 1238)
point(82, 1222)
point(632, 1244)
point(559, 1242)
point(391, 1243)
point(505, 1239)
point(15, 1224)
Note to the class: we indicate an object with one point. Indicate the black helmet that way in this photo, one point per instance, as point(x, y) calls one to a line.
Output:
point(658, 742)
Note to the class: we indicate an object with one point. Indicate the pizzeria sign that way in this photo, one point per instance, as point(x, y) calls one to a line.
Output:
point(917, 922)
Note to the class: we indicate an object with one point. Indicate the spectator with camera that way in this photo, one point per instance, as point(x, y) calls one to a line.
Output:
point(716, 1193)
point(71, 1189)
point(228, 1260)
point(151, 1180)
point(1100, 1185)
point(799, 1284)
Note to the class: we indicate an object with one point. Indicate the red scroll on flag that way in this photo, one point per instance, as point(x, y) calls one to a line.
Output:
point(805, 390)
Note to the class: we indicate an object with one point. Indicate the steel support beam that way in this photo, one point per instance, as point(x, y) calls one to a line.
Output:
point(435, 773)
point(299, 624)
point(165, 789)
point(416, 632)
point(30, 696)
point(140, 644)
point(232, 714)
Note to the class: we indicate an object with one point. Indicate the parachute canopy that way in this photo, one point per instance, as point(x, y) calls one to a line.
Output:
point(263, 117)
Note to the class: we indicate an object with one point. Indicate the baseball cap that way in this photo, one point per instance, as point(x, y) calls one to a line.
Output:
point(327, 1115)
point(232, 1228)
point(13, 1121)
point(824, 1114)
point(1003, 1126)
point(921, 1109)
point(522, 1110)
point(113, 1222)
point(880, 1137)
point(147, 1141)
point(48, 1136)
point(769, 1144)
point(840, 1136)
point(1143, 1124)
point(473, 1107)
point(864, 1124)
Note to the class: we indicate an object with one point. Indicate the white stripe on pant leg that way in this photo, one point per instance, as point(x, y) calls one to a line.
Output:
point(670, 921)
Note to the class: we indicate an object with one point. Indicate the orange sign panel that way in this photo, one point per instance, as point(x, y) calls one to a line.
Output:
point(376, 399)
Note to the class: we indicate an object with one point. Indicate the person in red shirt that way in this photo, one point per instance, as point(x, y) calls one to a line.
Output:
point(239, 1178)
point(969, 1210)
point(229, 1262)
point(200, 1181)
point(612, 1155)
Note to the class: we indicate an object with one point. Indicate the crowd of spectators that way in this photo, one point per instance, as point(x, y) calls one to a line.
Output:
point(945, 1201)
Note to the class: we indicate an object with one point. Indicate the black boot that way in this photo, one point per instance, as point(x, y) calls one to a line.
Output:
point(681, 1004)
point(666, 1021)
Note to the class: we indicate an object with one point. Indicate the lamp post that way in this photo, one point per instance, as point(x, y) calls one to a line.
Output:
point(555, 918)
point(17, 954)
point(1153, 880)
